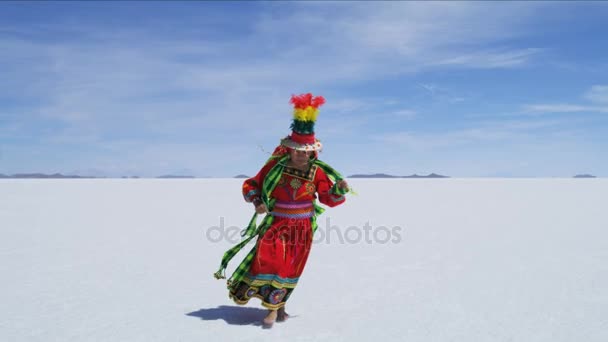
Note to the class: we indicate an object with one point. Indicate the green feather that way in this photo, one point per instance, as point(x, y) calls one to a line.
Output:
point(303, 127)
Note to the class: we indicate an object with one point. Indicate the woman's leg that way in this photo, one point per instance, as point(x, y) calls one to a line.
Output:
point(270, 318)
point(282, 316)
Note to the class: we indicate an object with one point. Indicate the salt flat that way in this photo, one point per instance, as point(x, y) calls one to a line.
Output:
point(443, 260)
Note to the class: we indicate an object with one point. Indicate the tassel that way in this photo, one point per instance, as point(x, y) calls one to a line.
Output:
point(220, 274)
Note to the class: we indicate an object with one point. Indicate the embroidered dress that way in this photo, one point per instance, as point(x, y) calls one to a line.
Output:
point(272, 269)
point(282, 251)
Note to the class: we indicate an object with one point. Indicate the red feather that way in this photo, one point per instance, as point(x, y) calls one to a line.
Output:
point(318, 101)
point(307, 100)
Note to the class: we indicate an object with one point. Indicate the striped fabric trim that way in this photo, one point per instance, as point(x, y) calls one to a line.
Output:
point(307, 214)
point(335, 198)
point(293, 205)
point(269, 277)
point(257, 295)
point(293, 209)
point(249, 196)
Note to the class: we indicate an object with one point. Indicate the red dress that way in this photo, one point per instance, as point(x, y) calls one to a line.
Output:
point(283, 249)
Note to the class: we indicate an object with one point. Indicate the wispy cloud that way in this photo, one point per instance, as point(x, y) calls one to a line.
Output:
point(443, 94)
point(363, 41)
point(597, 95)
point(211, 84)
point(492, 59)
point(514, 131)
point(359, 42)
point(562, 108)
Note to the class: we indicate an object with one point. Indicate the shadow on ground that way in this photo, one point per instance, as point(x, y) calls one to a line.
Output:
point(235, 315)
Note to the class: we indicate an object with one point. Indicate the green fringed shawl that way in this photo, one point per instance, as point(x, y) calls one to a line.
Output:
point(270, 182)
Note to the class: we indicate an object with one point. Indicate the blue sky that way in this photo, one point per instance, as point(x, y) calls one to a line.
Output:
point(466, 89)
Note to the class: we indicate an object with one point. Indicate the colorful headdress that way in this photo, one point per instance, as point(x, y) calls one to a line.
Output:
point(306, 109)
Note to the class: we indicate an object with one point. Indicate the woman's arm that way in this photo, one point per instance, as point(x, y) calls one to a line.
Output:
point(329, 193)
point(252, 187)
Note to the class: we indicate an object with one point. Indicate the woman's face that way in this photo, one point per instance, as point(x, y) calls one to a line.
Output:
point(299, 157)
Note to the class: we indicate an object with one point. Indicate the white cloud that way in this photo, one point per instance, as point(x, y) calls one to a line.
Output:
point(480, 133)
point(443, 94)
point(598, 93)
point(429, 141)
point(491, 59)
point(365, 41)
point(127, 81)
point(562, 108)
point(324, 44)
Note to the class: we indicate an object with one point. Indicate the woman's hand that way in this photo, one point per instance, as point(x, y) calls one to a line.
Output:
point(260, 209)
point(343, 185)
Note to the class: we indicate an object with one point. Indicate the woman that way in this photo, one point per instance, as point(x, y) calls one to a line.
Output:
point(285, 189)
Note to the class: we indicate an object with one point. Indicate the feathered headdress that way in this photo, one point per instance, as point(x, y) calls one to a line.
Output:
point(306, 109)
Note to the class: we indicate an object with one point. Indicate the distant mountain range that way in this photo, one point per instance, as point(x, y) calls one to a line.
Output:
point(61, 176)
point(41, 175)
point(174, 176)
point(379, 175)
point(375, 175)
point(584, 176)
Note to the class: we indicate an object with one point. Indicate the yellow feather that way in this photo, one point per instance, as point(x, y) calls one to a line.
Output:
point(308, 114)
point(313, 114)
point(299, 114)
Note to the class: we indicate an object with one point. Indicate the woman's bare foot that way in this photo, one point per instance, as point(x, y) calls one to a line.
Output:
point(282, 316)
point(270, 318)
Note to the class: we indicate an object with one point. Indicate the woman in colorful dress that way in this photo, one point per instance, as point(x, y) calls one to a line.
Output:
point(285, 189)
